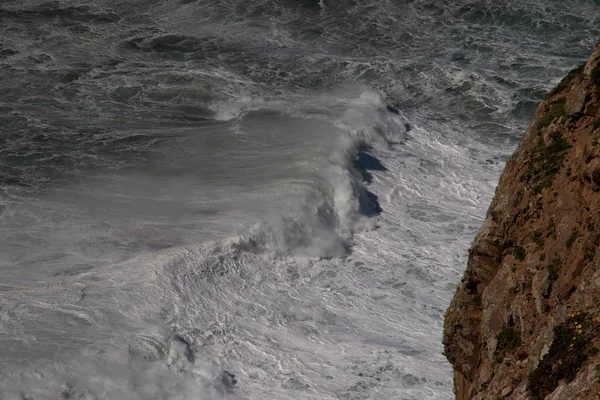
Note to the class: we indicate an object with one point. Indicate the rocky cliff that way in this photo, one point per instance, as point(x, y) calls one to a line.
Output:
point(525, 320)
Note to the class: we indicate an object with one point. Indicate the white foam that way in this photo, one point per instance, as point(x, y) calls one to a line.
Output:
point(237, 107)
point(113, 279)
point(367, 325)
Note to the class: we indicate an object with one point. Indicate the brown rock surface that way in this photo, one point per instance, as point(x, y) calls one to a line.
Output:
point(525, 320)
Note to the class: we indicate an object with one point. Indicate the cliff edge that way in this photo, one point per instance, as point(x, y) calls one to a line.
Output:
point(525, 320)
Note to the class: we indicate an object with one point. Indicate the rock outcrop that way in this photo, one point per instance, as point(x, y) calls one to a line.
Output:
point(525, 320)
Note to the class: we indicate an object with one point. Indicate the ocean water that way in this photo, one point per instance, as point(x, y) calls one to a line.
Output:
point(257, 199)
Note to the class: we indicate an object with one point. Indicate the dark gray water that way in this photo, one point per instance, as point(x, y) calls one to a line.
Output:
point(285, 190)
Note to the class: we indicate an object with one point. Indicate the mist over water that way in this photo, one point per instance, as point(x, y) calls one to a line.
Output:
point(254, 199)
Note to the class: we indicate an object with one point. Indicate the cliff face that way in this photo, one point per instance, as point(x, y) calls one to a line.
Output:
point(525, 320)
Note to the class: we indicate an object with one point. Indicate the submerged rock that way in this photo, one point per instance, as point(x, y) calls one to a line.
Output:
point(227, 380)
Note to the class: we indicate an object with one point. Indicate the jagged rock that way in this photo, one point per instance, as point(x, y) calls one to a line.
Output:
point(534, 263)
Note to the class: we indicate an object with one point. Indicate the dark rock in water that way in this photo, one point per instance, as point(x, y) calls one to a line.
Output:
point(188, 352)
point(364, 162)
point(392, 109)
point(368, 204)
point(367, 161)
point(228, 379)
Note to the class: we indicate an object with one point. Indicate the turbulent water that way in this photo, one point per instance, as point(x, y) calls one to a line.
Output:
point(254, 199)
